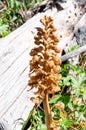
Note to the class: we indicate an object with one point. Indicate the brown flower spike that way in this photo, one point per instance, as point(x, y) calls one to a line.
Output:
point(44, 66)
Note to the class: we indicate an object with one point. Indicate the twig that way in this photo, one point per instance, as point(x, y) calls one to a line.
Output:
point(2, 10)
point(73, 53)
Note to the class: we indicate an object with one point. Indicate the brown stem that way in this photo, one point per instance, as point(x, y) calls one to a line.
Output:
point(47, 111)
point(5, 3)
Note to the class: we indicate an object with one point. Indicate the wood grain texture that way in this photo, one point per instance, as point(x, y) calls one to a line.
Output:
point(14, 65)
point(73, 53)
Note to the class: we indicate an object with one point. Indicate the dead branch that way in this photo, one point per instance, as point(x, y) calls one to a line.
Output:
point(74, 53)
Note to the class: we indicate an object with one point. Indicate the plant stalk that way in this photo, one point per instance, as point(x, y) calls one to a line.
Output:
point(47, 111)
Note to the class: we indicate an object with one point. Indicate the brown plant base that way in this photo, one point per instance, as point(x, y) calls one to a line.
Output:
point(48, 117)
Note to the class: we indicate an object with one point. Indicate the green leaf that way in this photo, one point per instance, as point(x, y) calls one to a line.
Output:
point(74, 81)
point(84, 96)
point(25, 125)
point(42, 127)
point(66, 99)
point(57, 98)
point(5, 20)
point(68, 102)
point(66, 81)
point(4, 30)
point(82, 79)
point(81, 116)
point(66, 123)
point(76, 69)
point(73, 47)
point(14, 18)
point(65, 69)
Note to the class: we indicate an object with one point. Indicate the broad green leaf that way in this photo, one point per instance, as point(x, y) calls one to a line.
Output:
point(68, 102)
point(66, 81)
point(74, 81)
point(57, 98)
point(76, 69)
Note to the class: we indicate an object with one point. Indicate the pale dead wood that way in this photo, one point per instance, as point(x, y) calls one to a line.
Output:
point(73, 53)
point(14, 65)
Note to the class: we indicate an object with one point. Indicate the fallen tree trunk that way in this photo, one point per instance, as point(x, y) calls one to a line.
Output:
point(15, 101)
point(74, 53)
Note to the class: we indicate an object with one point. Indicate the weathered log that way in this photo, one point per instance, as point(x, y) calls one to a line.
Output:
point(14, 63)
point(74, 53)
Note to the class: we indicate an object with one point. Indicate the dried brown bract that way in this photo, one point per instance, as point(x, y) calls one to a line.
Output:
point(45, 65)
